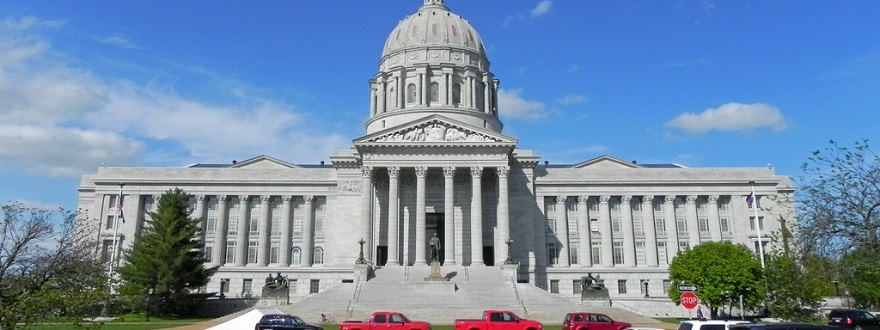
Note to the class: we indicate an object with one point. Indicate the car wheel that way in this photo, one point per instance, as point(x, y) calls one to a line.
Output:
point(858, 327)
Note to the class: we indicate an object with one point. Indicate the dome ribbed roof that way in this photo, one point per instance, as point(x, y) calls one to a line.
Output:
point(433, 25)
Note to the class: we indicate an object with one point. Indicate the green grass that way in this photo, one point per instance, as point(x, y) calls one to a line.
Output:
point(124, 322)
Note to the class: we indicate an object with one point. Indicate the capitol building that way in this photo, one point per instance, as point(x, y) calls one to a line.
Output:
point(434, 160)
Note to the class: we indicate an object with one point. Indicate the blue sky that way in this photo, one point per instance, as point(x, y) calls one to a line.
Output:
point(171, 83)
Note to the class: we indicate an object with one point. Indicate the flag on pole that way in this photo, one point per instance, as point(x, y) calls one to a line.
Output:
point(750, 199)
point(119, 203)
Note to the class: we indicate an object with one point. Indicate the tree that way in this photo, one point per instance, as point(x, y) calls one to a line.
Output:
point(839, 200)
point(167, 261)
point(723, 271)
point(861, 275)
point(48, 266)
point(794, 291)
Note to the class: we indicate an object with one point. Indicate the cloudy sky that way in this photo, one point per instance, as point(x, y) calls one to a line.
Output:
point(85, 84)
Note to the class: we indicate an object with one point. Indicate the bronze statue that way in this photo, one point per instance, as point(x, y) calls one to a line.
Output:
point(434, 243)
point(277, 282)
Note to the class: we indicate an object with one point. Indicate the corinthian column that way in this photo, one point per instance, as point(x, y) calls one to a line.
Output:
point(265, 230)
point(714, 218)
point(501, 246)
point(219, 255)
point(629, 244)
point(199, 213)
point(605, 231)
point(284, 260)
point(692, 223)
point(241, 242)
point(562, 231)
point(308, 231)
point(477, 216)
point(448, 216)
point(393, 212)
point(421, 172)
point(366, 210)
point(585, 246)
point(650, 230)
point(671, 227)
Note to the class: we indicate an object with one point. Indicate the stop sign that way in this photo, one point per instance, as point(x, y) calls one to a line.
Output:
point(689, 300)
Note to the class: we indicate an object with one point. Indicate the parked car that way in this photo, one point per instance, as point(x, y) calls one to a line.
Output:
point(855, 319)
point(283, 322)
point(707, 324)
point(497, 320)
point(591, 321)
point(385, 321)
point(781, 326)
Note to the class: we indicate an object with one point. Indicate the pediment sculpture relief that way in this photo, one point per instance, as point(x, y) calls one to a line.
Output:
point(435, 132)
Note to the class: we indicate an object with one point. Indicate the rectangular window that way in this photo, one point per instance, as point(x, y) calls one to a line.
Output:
point(640, 253)
point(724, 203)
point(232, 227)
point(551, 254)
point(666, 284)
point(210, 226)
point(594, 225)
point(572, 254)
point(209, 252)
point(615, 204)
point(618, 253)
point(253, 226)
point(106, 250)
point(681, 225)
point(684, 246)
point(110, 221)
point(247, 286)
point(550, 213)
point(274, 252)
point(638, 227)
point(252, 252)
point(660, 226)
point(621, 286)
point(615, 225)
point(596, 253)
point(224, 285)
point(320, 206)
point(704, 225)
point(314, 286)
point(576, 287)
point(725, 225)
point(572, 216)
point(658, 206)
point(760, 222)
point(298, 205)
point(230, 252)
point(554, 286)
point(661, 253)
point(637, 204)
point(276, 225)
point(593, 204)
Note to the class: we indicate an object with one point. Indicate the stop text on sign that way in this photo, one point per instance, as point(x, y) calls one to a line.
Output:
point(689, 300)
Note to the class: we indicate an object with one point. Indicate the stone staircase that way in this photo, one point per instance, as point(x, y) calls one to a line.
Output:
point(468, 291)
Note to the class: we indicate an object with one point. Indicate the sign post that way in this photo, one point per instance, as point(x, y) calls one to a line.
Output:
point(689, 300)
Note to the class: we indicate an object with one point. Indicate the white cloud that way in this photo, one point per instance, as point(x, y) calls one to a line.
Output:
point(120, 42)
point(731, 117)
point(572, 99)
point(542, 8)
point(27, 23)
point(512, 105)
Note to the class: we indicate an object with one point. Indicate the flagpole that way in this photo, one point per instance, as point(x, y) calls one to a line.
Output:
point(115, 233)
point(757, 224)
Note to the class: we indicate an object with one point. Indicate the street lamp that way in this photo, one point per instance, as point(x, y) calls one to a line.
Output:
point(360, 260)
point(149, 300)
point(509, 259)
point(836, 288)
point(645, 283)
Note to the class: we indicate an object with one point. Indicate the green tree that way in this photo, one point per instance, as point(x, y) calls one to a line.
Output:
point(861, 276)
point(167, 261)
point(722, 270)
point(794, 291)
point(48, 266)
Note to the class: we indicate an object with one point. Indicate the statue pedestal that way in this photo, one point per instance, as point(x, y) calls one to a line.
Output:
point(510, 272)
point(362, 272)
point(595, 297)
point(435, 273)
point(275, 296)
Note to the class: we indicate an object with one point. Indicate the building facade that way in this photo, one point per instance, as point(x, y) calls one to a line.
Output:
point(434, 161)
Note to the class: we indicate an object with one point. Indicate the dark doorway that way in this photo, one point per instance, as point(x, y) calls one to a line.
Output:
point(381, 255)
point(434, 224)
point(489, 255)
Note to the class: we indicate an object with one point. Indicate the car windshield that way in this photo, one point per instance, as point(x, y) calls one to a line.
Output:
point(685, 326)
point(298, 321)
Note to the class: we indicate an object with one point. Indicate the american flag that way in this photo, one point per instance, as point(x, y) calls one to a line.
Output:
point(119, 201)
point(750, 199)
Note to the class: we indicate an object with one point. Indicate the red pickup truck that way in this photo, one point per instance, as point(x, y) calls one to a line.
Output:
point(591, 321)
point(385, 320)
point(498, 320)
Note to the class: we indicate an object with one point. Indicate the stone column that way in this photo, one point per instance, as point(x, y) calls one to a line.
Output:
point(585, 246)
point(421, 243)
point(449, 215)
point(477, 216)
point(219, 255)
point(199, 213)
point(671, 227)
point(448, 89)
point(393, 214)
point(562, 231)
point(241, 241)
point(265, 230)
point(692, 222)
point(629, 244)
point(383, 103)
point(308, 231)
point(486, 94)
point(605, 231)
point(650, 230)
point(501, 248)
point(714, 218)
point(284, 259)
point(366, 211)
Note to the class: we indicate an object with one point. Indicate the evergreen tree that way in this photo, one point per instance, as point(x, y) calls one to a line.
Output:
point(167, 261)
point(723, 271)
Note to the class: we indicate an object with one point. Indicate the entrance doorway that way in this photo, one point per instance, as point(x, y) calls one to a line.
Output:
point(381, 255)
point(489, 255)
point(434, 224)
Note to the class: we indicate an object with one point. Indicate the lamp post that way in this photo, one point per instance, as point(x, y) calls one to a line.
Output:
point(149, 300)
point(645, 283)
point(360, 260)
point(509, 259)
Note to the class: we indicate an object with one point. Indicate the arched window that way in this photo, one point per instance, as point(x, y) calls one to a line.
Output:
point(456, 94)
point(318, 256)
point(435, 92)
point(411, 93)
point(295, 256)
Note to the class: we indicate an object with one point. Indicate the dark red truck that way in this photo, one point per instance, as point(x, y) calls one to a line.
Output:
point(498, 320)
point(591, 321)
point(385, 321)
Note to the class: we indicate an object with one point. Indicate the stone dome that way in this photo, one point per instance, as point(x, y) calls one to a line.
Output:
point(433, 25)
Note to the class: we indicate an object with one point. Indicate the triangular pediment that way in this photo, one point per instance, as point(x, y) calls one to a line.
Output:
point(435, 129)
point(263, 162)
point(606, 162)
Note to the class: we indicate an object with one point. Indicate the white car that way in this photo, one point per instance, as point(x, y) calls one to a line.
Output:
point(708, 324)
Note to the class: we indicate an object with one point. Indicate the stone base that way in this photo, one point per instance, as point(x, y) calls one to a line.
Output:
point(362, 271)
point(596, 302)
point(273, 302)
point(435, 273)
point(510, 272)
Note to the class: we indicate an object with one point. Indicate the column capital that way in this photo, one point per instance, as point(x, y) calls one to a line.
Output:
point(561, 199)
point(604, 198)
point(421, 171)
point(626, 198)
point(200, 198)
point(393, 171)
point(476, 171)
point(265, 198)
point(648, 199)
point(449, 172)
point(713, 198)
point(287, 198)
point(309, 198)
point(669, 198)
point(243, 198)
point(222, 198)
point(583, 199)
point(366, 171)
point(503, 171)
point(691, 198)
